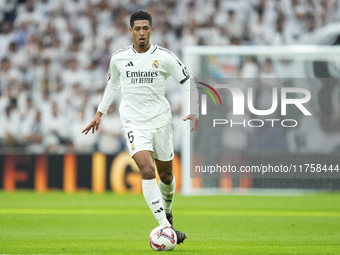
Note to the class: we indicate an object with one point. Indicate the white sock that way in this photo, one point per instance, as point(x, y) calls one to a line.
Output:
point(168, 193)
point(153, 198)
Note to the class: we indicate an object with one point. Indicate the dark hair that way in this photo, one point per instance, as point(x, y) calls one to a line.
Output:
point(140, 15)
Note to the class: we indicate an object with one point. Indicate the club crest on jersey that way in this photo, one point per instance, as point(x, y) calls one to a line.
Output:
point(133, 147)
point(155, 64)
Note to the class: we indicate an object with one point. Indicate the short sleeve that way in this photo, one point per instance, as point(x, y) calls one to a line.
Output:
point(177, 69)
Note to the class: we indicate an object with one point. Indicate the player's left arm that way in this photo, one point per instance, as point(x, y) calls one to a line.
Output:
point(192, 103)
point(181, 73)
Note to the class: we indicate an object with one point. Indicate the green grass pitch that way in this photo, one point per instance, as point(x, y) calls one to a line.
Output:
point(86, 223)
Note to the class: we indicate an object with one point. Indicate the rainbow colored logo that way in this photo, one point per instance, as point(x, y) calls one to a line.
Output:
point(208, 92)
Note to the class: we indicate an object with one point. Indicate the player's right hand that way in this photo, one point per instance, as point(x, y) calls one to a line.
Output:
point(94, 124)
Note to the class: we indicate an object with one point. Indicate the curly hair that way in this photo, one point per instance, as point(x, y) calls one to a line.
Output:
point(140, 15)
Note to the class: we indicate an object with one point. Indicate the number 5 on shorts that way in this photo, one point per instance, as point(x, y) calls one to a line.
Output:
point(131, 137)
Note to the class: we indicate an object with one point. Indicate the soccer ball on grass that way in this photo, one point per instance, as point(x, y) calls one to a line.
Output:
point(163, 239)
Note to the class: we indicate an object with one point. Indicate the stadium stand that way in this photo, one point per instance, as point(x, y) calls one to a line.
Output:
point(54, 57)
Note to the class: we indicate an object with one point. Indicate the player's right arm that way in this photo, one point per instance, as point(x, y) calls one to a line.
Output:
point(94, 124)
point(110, 92)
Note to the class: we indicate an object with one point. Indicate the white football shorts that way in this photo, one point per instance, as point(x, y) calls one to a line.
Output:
point(158, 140)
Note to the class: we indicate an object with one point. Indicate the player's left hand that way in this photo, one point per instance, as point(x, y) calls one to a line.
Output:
point(195, 122)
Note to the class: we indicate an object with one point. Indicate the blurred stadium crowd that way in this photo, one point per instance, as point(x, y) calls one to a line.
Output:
point(55, 55)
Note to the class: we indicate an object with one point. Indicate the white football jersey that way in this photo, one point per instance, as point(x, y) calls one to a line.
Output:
point(142, 79)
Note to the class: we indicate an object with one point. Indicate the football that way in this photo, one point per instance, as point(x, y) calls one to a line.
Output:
point(163, 239)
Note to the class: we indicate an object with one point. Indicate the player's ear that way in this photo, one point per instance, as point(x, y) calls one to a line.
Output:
point(151, 30)
point(131, 31)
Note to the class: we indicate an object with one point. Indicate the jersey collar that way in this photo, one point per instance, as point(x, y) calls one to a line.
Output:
point(147, 52)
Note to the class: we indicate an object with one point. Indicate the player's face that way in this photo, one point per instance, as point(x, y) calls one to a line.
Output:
point(141, 33)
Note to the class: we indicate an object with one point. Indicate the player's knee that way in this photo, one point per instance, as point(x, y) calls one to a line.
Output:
point(166, 177)
point(148, 172)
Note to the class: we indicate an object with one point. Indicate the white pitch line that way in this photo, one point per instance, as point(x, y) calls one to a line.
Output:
point(51, 211)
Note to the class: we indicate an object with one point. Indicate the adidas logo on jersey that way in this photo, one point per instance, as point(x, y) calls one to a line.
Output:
point(129, 64)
